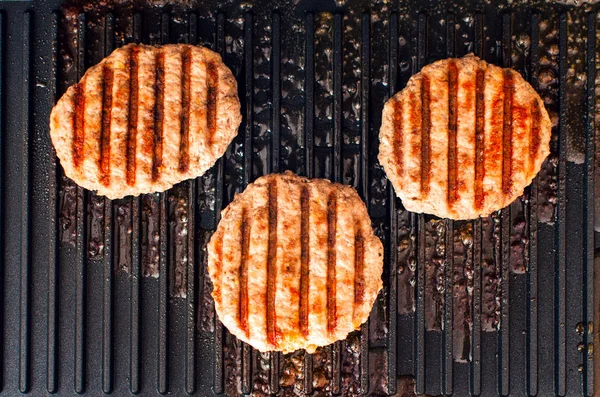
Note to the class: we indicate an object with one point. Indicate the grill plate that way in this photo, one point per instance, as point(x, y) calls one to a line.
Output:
point(100, 296)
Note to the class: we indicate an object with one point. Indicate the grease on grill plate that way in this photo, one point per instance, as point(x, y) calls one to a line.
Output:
point(295, 157)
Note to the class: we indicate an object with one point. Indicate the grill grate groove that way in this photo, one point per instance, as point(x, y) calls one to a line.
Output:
point(589, 197)
point(561, 259)
point(24, 329)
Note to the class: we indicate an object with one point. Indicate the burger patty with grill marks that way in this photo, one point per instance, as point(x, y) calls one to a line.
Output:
point(463, 139)
point(294, 263)
point(146, 118)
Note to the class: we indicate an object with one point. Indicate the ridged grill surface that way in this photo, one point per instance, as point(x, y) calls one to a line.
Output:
point(113, 296)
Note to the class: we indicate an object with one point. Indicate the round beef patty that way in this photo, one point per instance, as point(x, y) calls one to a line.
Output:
point(294, 263)
point(463, 139)
point(146, 118)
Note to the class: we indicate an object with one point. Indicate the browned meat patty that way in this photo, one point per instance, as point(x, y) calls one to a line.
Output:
point(146, 118)
point(294, 263)
point(463, 139)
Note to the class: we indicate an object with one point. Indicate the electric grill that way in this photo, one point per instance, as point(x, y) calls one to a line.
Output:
point(101, 296)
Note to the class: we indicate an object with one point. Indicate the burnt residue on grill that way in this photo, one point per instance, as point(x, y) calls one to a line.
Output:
point(577, 25)
point(123, 235)
point(292, 120)
point(378, 369)
point(490, 273)
point(323, 127)
point(150, 235)
point(323, 130)
point(261, 364)
point(206, 304)
point(262, 100)
point(322, 370)
point(67, 75)
point(350, 368)
point(519, 225)
point(435, 254)
point(379, 90)
point(351, 99)
point(407, 264)
point(378, 329)
point(205, 205)
point(291, 378)
point(548, 90)
point(234, 59)
point(178, 239)
point(67, 194)
point(462, 279)
point(519, 240)
point(597, 123)
point(232, 358)
point(95, 232)
point(351, 84)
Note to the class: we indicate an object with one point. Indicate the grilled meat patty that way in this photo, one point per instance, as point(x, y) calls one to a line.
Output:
point(294, 263)
point(463, 139)
point(146, 118)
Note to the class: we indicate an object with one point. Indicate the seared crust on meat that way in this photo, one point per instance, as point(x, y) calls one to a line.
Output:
point(146, 118)
point(294, 263)
point(463, 139)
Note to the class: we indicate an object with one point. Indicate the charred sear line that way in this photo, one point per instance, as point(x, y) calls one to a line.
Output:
point(398, 136)
point(535, 137)
point(158, 116)
point(78, 124)
point(331, 261)
point(245, 247)
point(107, 99)
point(132, 117)
point(304, 259)
point(359, 269)
point(212, 89)
point(452, 125)
point(507, 133)
point(479, 136)
point(218, 288)
point(184, 160)
point(425, 138)
point(271, 265)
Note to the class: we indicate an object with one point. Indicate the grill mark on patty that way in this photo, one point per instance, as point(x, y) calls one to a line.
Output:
point(331, 262)
point(304, 260)
point(245, 246)
point(452, 125)
point(212, 83)
point(79, 124)
point(398, 136)
point(132, 117)
point(425, 138)
point(158, 116)
point(534, 137)
point(507, 131)
point(184, 160)
point(479, 136)
point(107, 99)
point(272, 265)
point(218, 272)
point(359, 269)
